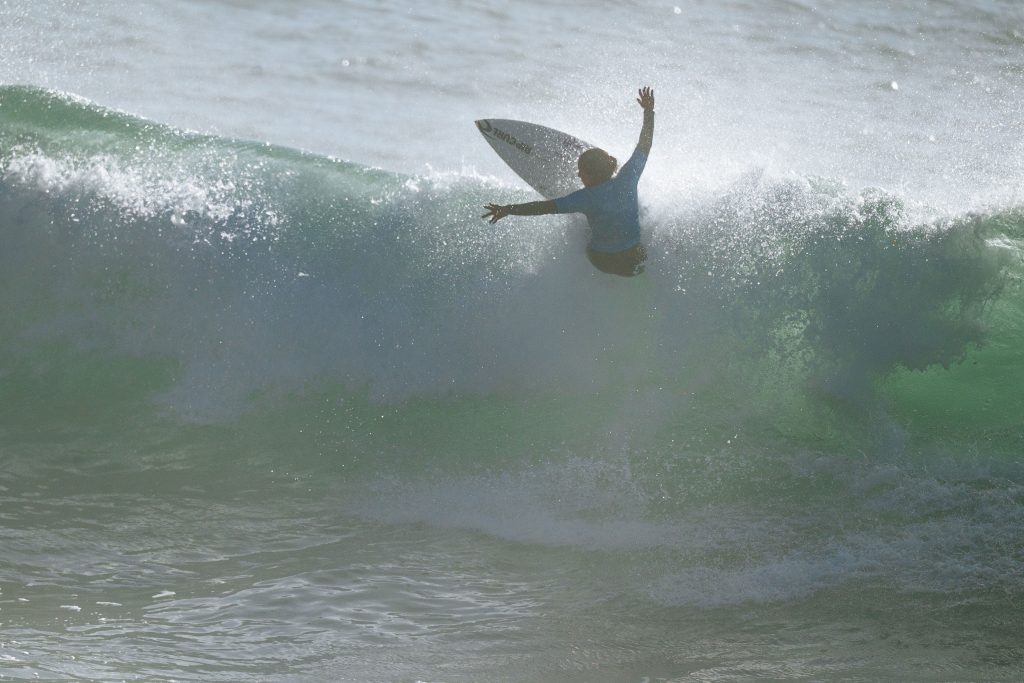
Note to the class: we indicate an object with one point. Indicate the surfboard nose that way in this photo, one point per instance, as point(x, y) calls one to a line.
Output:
point(544, 157)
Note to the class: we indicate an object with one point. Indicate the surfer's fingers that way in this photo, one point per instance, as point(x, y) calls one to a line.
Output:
point(646, 98)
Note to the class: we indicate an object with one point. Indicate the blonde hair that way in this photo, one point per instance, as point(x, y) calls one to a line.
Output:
point(598, 163)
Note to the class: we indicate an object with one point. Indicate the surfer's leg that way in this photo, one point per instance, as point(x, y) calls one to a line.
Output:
point(625, 263)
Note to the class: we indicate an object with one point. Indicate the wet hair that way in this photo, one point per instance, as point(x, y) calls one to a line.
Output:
point(598, 164)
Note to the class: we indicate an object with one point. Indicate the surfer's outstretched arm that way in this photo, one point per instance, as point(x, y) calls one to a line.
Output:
point(496, 212)
point(646, 100)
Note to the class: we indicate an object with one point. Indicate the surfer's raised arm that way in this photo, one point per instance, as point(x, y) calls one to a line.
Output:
point(646, 100)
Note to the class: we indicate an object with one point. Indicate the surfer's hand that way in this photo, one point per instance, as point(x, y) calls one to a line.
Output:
point(646, 99)
point(496, 212)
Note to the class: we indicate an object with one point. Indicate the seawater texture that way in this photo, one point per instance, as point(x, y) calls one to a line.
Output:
point(809, 396)
point(271, 414)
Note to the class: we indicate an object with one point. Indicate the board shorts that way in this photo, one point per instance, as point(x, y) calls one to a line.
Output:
point(627, 263)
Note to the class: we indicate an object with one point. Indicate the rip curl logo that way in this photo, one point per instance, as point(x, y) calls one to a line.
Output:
point(497, 133)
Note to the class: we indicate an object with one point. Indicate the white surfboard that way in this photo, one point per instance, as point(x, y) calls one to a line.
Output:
point(544, 157)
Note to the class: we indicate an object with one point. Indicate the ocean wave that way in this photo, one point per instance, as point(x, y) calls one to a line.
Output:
point(241, 271)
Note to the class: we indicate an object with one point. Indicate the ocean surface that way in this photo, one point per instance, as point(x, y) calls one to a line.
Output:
point(277, 405)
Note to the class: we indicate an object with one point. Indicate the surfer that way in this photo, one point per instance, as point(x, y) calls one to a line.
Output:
point(608, 201)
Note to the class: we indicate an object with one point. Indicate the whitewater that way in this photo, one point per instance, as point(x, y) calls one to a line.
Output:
point(276, 404)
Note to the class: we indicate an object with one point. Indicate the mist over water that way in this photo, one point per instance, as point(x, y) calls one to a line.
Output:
point(276, 404)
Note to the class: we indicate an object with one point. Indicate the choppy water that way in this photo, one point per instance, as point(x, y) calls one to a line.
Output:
point(271, 414)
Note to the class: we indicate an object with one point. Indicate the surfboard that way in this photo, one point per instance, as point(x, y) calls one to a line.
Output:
point(544, 157)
